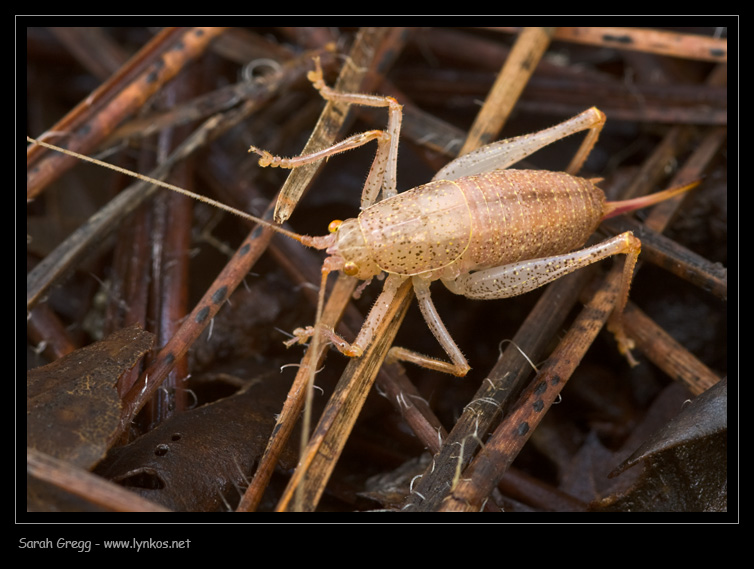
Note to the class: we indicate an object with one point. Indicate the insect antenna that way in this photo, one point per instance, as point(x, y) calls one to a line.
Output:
point(308, 240)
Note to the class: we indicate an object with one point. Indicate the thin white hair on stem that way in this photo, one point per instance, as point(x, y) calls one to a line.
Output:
point(459, 462)
point(247, 72)
point(488, 400)
point(531, 363)
point(411, 485)
point(282, 367)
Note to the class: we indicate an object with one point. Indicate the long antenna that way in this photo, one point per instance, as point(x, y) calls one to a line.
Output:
point(199, 197)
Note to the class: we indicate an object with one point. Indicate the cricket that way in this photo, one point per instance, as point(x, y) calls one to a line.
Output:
point(485, 230)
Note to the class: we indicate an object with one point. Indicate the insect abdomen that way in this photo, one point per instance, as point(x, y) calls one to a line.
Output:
point(528, 214)
point(481, 221)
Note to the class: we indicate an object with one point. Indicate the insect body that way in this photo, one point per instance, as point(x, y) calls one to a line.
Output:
point(487, 236)
point(483, 230)
point(445, 229)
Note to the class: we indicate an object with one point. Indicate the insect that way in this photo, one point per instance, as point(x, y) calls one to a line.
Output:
point(484, 230)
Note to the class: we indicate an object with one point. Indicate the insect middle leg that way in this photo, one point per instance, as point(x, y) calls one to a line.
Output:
point(458, 365)
point(381, 181)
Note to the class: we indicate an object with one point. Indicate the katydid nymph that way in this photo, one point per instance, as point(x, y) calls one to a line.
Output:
point(485, 230)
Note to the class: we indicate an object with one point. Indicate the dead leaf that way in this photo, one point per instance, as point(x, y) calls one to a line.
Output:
point(203, 459)
point(685, 462)
point(72, 406)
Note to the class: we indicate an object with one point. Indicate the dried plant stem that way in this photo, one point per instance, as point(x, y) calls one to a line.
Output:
point(337, 420)
point(177, 47)
point(477, 482)
point(85, 485)
point(513, 77)
point(336, 303)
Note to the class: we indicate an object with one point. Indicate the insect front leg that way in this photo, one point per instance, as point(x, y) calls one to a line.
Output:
point(505, 153)
point(517, 278)
point(382, 175)
point(371, 323)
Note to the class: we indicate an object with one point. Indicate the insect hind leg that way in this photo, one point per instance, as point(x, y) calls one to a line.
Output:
point(504, 153)
point(517, 278)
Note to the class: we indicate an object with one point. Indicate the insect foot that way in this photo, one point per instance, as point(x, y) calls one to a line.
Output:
point(625, 345)
point(302, 335)
point(631, 246)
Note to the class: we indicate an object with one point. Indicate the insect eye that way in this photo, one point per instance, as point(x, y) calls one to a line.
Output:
point(350, 268)
point(334, 225)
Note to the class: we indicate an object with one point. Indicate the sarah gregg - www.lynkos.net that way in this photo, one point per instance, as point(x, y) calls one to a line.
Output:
point(85, 546)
